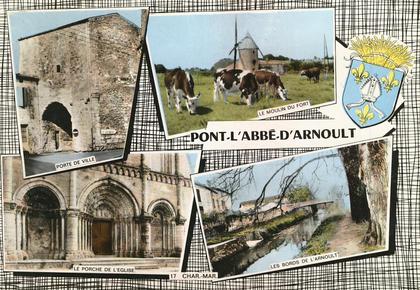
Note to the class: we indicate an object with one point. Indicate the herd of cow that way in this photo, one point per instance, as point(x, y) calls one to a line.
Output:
point(251, 85)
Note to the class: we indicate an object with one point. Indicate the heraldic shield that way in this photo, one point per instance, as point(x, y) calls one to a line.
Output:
point(371, 92)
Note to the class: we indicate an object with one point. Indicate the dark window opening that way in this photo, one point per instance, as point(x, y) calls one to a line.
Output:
point(198, 195)
point(201, 209)
point(56, 113)
point(25, 98)
point(58, 67)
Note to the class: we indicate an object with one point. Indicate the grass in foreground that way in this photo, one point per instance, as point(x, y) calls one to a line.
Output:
point(299, 89)
point(271, 227)
point(318, 242)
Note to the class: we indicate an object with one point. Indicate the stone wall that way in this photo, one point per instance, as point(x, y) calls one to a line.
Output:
point(115, 51)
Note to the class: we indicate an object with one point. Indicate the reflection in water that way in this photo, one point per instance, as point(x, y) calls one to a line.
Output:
point(295, 240)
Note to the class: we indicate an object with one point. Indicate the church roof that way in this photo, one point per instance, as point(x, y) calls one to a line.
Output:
point(247, 42)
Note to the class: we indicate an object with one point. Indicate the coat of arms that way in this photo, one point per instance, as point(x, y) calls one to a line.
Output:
point(377, 71)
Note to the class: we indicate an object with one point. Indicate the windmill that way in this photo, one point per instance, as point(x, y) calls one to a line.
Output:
point(246, 50)
point(235, 46)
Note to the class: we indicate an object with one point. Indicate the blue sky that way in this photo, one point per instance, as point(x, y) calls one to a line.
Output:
point(25, 23)
point(330, 176)
point(199, 40)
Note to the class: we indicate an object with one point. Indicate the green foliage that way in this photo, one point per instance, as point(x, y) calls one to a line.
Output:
point(299, 89)
point(160, 68)
point(272, 227)
point(295, 65)
point(278, 224)
point(319, 240)
point(222, 63)
point(272, 57)
point(214, 217)
point(299, 194)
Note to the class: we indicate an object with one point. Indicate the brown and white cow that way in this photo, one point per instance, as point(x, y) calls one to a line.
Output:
point(270, 82)
point(312, 73)
point(180, 85)
point(229, 82)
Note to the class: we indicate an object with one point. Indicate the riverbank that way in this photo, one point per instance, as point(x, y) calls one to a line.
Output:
point(339, 234)
point(319, 242)
point(236, 255)
point(263, 230)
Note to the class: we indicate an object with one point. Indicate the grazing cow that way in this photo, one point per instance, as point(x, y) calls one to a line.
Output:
point(228, 82)
point(180, 85)
point(312, 73)
point(270, 81)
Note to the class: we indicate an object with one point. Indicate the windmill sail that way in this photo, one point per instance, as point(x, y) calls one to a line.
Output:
point(236, 44)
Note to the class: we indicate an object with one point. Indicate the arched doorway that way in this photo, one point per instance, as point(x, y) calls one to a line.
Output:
point(57, 127)
point(163, 229)
point(42, 226)
point(108, 224)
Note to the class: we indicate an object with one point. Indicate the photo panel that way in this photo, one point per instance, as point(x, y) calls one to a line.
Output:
point(127, 217)
point(228, 66)
point(290, 212)
point(75, 74)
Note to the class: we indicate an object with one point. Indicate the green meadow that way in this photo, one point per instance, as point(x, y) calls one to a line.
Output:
point(299, 89)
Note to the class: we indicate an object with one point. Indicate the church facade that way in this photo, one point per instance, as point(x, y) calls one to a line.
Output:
point(136, 208)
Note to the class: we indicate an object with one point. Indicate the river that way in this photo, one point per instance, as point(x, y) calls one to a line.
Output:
point(294, 240)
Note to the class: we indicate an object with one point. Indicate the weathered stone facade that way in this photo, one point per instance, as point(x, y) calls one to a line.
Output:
point(212, 200)
point(77, 85)
point(135, 208)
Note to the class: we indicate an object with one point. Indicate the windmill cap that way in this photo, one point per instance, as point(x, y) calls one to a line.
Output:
point(247, 42)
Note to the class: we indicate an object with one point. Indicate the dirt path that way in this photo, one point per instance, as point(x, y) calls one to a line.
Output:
point(346, 241)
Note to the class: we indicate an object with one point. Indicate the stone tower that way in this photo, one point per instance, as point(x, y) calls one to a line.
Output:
point(248, 53)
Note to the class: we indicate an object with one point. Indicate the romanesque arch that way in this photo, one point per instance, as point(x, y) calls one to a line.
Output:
point(58, 114)
point(40, 224)
point(56, 131)
point(20, 192)
point(109, 220)
point(163, 228)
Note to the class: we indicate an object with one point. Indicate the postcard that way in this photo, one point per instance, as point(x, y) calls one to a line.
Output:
point(229, 66)
point(75, 75)
point(126, 217)
point(296, 211)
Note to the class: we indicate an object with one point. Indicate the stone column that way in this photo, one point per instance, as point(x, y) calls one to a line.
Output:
point(18, 229)
point(19, 232)
point(85, 233)
point(132, 236)
point(116, 237)
point(62, 234)
point(72, 234)
point(136, 237)
point(57, 237)
point(146, 247)
point(80, 234)
point(89, 222)
point(24, 230)
point(126, 243)
point(121, 232)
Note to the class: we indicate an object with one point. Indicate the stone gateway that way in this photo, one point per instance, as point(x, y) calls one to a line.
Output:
point(135, 208)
